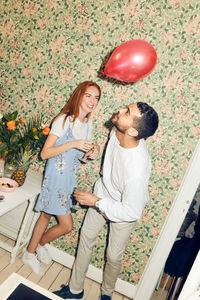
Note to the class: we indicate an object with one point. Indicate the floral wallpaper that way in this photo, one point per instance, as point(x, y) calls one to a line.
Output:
point(49, 46)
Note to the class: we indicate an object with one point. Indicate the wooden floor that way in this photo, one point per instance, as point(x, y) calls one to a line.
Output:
point(55, 275)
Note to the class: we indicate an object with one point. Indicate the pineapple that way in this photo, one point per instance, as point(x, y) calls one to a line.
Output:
point(21, 167)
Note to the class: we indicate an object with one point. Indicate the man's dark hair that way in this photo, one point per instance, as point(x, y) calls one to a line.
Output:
point(148, 123)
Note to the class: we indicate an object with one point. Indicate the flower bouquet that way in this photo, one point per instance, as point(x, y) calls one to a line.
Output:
point(20, 141)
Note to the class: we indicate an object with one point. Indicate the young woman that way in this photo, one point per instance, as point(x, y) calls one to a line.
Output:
point(68, 140)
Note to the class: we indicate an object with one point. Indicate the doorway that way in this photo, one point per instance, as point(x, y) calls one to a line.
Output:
point(170, 228)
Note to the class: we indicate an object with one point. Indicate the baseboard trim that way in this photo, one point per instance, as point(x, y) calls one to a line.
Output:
point(93, 273)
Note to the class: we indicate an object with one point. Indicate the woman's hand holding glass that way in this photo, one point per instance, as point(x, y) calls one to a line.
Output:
point(94, 152)
point(84, 145)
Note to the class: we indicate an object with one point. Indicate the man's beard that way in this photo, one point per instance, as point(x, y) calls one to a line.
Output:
point(114, 118)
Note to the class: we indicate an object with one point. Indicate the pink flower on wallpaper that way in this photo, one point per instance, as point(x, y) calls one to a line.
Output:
point(16, 58)
point(164, 108)
point(51, 70)
point(24, 33)
point(37, 54)
point(58, 45)
point(81, 8)
point(96, 167)
point(164, 212)
point(139, 25)
point(147, 91)
point(83, 24)
point(52, 4)
point(197, 61)
point(135, 276)
point(127, 262)
point(154, 191)
point(67, 19)
point(123, 94)
point(182, 115)
point(60, 100)
point(181, 98)
point(174, 140)
point(95, 38)
point(161, 150)
point(132, 9)
point(124, 36)
point(2, 53)
point(8, 29)
point(135, 238)
point(42, 22)
point(107, 19)
point(193, 26)
point(98, 113)
point(175, 3)
point(146, 215)
point(91, 73)
point(175, 183)
point(152, 13)
point(162, 167)
point(80, 214)
point(4, 104)
point(157, 137)
point(155, 231)
point(76, 49)
point(65, 60)
point(184, 54)
point(195, 131)
point(42, 94)
point(71, 238)
point(30, 9)
point(66, 75)
point(49, 110)
point(9, 81)
point(22, 102)
point(174, 81)
point(14, 44)
point(194, 87)
point(16, 4)
point(167, 37)
point(26, 72)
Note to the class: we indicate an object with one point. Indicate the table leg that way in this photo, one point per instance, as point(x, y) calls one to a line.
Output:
point(29, 209)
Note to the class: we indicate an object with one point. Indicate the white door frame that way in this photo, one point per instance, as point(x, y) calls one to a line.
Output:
point(170, 228)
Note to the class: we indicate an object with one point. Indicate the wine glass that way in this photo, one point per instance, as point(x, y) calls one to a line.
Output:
point(83, 159)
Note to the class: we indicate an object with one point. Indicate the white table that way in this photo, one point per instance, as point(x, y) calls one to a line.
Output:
point(27, 195)
point(10, 284)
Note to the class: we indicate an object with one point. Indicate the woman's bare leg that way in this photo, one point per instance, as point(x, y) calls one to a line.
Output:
point(38, 231)
point(65, 225)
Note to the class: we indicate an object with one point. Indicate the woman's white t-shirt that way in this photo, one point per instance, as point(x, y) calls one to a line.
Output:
point(79, 129)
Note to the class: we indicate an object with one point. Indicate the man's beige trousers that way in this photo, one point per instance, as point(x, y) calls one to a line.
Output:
point(118, 238)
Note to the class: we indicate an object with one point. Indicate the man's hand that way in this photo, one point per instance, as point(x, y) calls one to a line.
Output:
point(85, 198)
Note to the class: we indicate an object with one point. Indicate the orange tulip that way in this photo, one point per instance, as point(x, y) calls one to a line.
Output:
point(34, 129)
point(46, 130)
point(11, 125)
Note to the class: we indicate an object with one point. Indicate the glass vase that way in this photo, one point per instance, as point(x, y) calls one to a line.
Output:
point(8, 170)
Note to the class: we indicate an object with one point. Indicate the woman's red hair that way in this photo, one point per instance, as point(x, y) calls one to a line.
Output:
point(71, 108)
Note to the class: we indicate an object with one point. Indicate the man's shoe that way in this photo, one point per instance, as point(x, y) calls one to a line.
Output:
point(65, 293)
point(105, 297)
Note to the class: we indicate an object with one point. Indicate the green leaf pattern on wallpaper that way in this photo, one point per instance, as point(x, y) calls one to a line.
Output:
point(49, 46)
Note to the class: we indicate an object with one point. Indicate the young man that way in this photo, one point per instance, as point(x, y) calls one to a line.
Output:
point(119, 196)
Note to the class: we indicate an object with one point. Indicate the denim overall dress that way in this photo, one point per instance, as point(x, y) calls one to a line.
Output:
point(60, 178)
